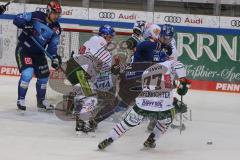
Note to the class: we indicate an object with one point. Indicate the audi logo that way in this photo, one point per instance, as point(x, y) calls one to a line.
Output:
point(235, 23)
point(107, 15)
point(172, 19)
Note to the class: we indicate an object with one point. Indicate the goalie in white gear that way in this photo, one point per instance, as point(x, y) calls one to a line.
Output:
point(136, 37)
point(91, 68)
point(155, 101)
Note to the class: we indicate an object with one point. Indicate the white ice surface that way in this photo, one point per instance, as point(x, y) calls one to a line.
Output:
point(42, 136)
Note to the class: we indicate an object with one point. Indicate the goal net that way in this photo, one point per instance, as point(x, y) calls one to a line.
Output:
point(70, 42)
point(72, 39)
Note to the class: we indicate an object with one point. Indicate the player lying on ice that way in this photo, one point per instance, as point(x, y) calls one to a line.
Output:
point(39, 30)
point(156, 99)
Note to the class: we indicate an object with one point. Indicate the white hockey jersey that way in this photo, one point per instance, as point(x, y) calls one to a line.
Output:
point(174, 49)
point(97, 61)
point(157, 84)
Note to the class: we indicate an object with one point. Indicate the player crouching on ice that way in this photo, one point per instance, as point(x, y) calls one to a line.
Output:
point(39, 30)
point(155, 101)
point(91, 68)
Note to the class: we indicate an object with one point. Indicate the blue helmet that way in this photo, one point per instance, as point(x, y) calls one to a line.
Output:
point(167, 31)
point(106, 30)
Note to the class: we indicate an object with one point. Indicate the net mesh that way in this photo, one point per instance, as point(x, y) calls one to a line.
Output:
point(72, 39)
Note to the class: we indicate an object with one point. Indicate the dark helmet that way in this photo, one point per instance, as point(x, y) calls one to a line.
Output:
point(167, 31)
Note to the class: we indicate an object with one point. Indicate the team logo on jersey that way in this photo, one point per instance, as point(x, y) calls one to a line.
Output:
point(133, 74)
point(28, 60)
point(56, 30)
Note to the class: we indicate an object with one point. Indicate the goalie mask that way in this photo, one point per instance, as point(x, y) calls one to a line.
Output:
point(139, 27)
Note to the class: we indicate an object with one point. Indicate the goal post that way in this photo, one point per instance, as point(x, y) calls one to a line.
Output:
point(72, 38)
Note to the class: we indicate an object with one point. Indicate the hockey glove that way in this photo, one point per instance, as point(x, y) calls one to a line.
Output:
point(115, 69)
point(56, 62)
point(167, 49)
point(180, 107)
point(2, 9)
point(182, 88)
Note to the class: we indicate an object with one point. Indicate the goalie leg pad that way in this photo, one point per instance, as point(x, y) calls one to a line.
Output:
point(84, 83)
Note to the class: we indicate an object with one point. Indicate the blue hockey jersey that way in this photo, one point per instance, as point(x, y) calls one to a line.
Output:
point(147, 51)
point(47, 34)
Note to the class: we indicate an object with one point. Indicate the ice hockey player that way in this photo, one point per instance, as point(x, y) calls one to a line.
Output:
point(91, 68)
point(136, 37)
point(126, 96)
point(31, 60)
point(168, 46)
point(145, 52)
point(155, 101)
point(2, 9)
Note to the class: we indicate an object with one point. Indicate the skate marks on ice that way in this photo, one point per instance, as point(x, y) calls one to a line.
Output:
point(31, 115)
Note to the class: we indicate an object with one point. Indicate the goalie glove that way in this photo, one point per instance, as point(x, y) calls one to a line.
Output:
point(180, 107)
point(183, 86)
point(115, 69)
point(56, 62)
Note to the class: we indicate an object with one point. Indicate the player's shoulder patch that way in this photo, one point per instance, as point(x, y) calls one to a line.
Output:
point(57, 28)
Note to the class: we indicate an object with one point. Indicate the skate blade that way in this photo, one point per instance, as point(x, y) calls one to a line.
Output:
point(101, 150)
point(21, 112)
point(84, 134)
point(45, 110)
point(147, 148)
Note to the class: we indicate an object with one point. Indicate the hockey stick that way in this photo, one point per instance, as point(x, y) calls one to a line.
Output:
point(9, 3)
point(3, 7)
point(40, 47)
point(181, 116)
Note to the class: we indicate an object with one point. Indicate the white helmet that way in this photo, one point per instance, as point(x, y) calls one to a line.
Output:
point(153, 31)
point(139, 27)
